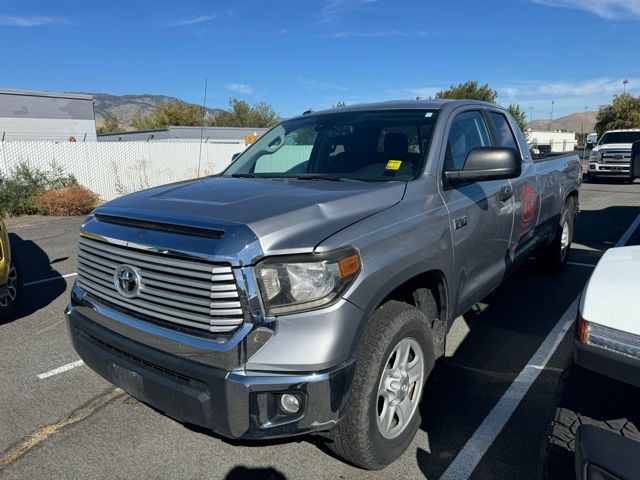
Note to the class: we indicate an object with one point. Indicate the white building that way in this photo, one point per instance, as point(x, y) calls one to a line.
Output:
point(186, 134)
point(46, 116)
point(552, 141)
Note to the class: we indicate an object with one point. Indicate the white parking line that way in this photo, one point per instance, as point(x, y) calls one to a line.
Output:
point(68, 275)
point(468, 458)
point(62, 369)
point(479, 443)
point(627, 235)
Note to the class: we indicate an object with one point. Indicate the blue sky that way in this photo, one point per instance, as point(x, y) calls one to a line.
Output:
point(305, 54)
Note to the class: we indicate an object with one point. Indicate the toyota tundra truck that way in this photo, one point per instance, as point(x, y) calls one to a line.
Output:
point(309, 288)
point(611, 157)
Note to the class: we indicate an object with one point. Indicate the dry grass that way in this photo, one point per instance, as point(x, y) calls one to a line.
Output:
point(72, 200)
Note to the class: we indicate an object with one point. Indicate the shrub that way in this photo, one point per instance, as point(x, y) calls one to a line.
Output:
point(72, 200)
point(19, 189)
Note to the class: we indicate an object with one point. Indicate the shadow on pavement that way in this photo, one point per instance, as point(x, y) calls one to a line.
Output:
point(34, 264)
point(247, 473)
point(601, 229)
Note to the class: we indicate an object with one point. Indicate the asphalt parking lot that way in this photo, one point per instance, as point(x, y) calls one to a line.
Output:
point(69, 423)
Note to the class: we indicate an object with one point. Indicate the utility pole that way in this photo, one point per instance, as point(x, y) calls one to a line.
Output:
point(530, 114)
point(204, 114)
point(551, 117)
point(584, 137)
point(625, 82)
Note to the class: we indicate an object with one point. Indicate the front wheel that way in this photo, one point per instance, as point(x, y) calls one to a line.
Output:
point(393, 360)
point(9, 299)
point(584, 397)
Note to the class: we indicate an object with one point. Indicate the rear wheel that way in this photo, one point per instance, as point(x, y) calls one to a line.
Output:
point(554, 257)
point(9, 299)
point(394, 359)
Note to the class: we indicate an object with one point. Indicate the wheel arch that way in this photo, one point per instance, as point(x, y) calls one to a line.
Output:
point(409, 289)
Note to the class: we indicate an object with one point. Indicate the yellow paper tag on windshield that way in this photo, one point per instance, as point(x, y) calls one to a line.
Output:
point(394, 164)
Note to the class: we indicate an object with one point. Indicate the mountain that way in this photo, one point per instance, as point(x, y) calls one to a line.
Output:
point(576, 122)
point(125, 107)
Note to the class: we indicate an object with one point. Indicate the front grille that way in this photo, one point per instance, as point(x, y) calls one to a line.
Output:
point(173, 291)
point(623, 156)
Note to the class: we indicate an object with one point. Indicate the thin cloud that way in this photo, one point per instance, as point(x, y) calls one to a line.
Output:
point(269, 33)
point(192, 20)
point(240, 88)
point(607, 9)
point(587, 88)
point(230, 13)
point(335, 7)
point(37, 21)
point(381, 34)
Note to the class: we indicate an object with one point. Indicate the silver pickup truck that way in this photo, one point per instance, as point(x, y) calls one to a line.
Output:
point(309, 288)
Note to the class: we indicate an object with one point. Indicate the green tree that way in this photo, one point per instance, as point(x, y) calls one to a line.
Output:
point(241, 114)
point(471, 90)
point(170, 114)
point(110, 125)
point(624, 112)
point(520, 117)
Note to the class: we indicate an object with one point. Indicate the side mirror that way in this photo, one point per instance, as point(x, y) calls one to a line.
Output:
point(487, 163)
point(635, 160)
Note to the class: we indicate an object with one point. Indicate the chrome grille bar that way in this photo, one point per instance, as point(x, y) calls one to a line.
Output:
point(184, 292)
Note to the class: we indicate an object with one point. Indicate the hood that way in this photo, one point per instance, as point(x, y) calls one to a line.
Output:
point(613, 146)
point(611, 295)
point(285, 215)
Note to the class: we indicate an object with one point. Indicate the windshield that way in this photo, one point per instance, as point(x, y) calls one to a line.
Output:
point(620, 137)
point(366, 146)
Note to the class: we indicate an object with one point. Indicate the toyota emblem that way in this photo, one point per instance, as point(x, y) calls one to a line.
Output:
point(127, 281)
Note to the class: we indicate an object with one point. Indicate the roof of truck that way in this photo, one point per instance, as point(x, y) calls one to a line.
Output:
point(403, 105)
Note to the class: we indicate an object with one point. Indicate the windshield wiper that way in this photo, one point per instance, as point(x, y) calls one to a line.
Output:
point(320, 177)
point(243, 175)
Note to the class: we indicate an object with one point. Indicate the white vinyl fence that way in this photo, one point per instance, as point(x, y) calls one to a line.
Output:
point(112, 169)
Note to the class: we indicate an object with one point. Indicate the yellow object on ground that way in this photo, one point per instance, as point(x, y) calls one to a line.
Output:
point(5, 254)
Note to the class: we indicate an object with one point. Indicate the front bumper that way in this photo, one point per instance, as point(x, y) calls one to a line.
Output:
point(233, 403)
point(620, 367)
point(609, 170)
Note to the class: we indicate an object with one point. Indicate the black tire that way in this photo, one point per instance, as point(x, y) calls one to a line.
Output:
point(6, 311)
point(585, 397)
point(357, 437)
point(553, 258)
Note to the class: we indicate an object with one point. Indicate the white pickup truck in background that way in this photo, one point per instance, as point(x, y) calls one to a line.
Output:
point(611, 157)
point(600, 387)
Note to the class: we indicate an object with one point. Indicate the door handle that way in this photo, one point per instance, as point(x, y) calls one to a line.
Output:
point(459, 222)
point(506, 193)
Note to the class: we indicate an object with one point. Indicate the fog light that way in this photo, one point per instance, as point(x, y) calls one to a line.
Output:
point(289, 403)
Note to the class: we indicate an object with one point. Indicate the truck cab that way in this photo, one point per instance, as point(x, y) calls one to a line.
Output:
point(611, 157)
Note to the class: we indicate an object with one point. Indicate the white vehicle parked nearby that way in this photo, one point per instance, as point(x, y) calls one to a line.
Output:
point(612, 156)
point(601, 384)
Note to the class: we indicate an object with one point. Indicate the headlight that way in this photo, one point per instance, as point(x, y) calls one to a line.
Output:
point(594, 157)
point(305, 282)
point(610, 339)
